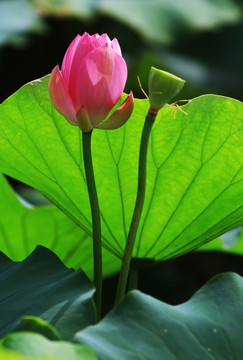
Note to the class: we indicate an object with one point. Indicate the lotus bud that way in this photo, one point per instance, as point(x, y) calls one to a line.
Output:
point(91, 81)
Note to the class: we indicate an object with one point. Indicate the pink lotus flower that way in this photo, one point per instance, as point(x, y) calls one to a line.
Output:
point(91, 81)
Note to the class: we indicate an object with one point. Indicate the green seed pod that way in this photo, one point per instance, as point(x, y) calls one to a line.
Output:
point(162, 87)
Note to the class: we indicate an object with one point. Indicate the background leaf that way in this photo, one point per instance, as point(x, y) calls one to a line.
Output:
point(42, 286)
point(20, 17)
point(17, 18)
point(208, 326)
point(195, 168)
point(38, 347)
point(23, 228)
point(155, 20)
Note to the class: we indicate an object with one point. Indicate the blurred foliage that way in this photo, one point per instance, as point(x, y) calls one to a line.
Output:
point(159, 21)
point(17, 17)
point(154, 20)
point(196, 39)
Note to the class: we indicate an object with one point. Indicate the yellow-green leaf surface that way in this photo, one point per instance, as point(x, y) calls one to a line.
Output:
point(10, 355)
point(195, 169)
point(23, 228)
point(36, 346)
point(231, 242)
point(13, 355)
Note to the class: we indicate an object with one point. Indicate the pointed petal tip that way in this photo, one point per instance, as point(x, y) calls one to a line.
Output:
point(130, 95)
point(120, 115)
point(85, 34)
point(55, 69)
point(116, 46)
point(128, 103)
point(54, 77)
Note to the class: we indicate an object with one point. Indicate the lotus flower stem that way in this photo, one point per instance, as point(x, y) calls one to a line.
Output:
point(95, 213)
point(122, 283)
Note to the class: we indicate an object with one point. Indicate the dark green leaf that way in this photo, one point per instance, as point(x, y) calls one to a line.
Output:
point(208, 326)
point(42, 286)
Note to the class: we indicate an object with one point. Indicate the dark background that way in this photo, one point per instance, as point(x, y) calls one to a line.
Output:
point(34, 37)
